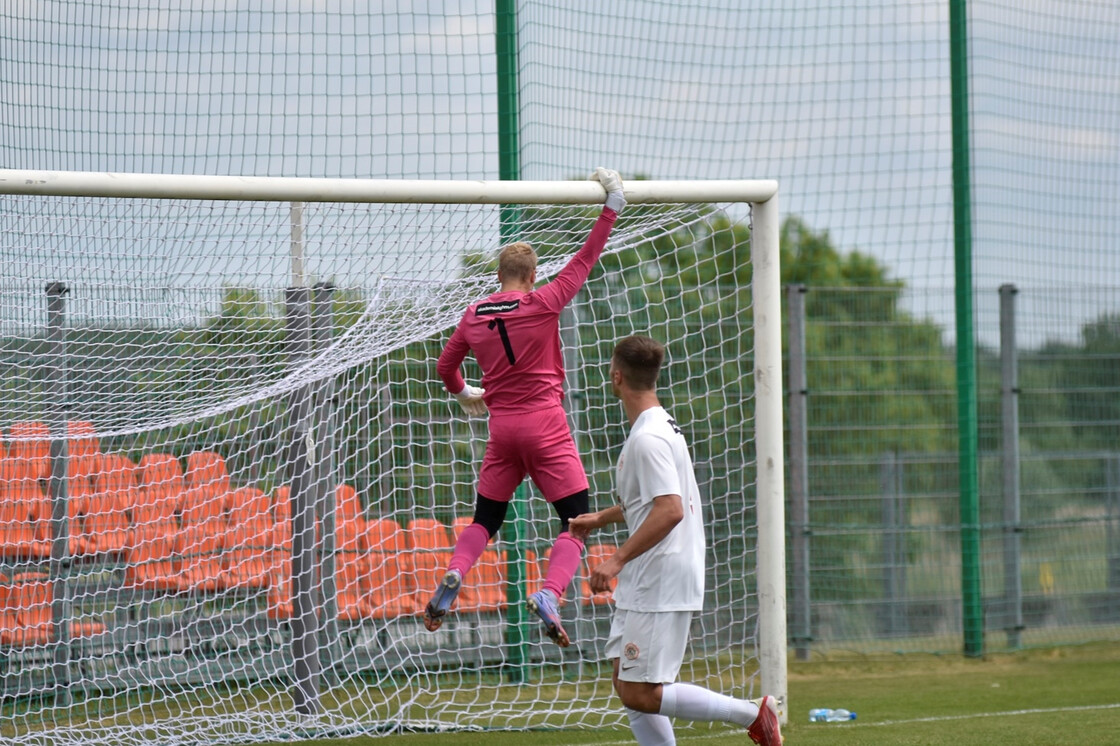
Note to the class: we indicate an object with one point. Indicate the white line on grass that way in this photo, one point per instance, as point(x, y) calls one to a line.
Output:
point(1036, 711)
point(941, 718)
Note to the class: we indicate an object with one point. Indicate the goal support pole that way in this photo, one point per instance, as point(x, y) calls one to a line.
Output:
point(766, 290)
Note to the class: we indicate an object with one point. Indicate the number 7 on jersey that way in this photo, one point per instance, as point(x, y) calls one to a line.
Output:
point(501, 324)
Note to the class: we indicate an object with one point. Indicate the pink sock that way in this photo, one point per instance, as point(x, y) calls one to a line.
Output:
point(563, 562)
point(468, 548)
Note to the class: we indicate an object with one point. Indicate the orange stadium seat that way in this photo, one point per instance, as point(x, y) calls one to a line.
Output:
point(248, 560)
point(385, 535)
point(105, 528)
point(596, 553)
point(76, 503)
point(153, 557)
point(389, 584)
point(28, 614)
point(282, 521)
point(84, 447)
point(31, 447)
point(391, 579)
point(14, 616)
point(282, 505)
point(204, 518)
point(19, 498)
point(154, 551)
point(249, 504)
point(428, 533)
point(18, 539)
point(430, 549)
point(79, 488)
point(207, 483)
point(200, 546)
point(351, 557)
point(9, 621)
point(351, 591)
point(348, 506)
point(280, 575)
point(161, 489)
point(107, 525)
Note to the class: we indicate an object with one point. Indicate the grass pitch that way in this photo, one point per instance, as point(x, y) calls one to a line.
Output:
point(1068, 695)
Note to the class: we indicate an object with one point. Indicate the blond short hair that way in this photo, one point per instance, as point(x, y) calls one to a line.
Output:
point(517, 261)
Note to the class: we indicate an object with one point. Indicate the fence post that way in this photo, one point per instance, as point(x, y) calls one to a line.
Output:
point(1112, 530)
point(59, 487)
point(325, 481)
point(1009, 404)
point(894, 556)
point(305, 597)
point(255, 451)
point(800, 531)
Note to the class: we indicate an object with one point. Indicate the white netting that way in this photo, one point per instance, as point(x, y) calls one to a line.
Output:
point(198, 393)
point(172, 283)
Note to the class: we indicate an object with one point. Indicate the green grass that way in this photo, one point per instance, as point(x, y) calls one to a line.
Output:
point(1066, 695)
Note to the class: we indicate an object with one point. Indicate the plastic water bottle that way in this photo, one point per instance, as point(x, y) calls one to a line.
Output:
point(826, 715)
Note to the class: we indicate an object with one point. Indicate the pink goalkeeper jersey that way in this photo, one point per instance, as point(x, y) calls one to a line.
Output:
point(515, 336)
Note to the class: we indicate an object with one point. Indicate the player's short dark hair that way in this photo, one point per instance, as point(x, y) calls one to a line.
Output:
point(639, 360)
point(517, 261)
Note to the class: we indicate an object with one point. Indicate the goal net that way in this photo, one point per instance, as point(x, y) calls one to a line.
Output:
point(230, 477)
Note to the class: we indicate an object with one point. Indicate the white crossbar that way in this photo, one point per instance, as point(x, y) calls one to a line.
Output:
point(281, 189)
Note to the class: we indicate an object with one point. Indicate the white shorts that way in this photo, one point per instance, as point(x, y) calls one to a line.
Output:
point(649, 645)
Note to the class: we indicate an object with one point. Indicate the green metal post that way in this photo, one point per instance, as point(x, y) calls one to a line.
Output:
point(971, 594)
point(509, 169)
point(509, 111)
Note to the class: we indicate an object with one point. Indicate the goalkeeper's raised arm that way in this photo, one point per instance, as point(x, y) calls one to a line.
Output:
point(567, 283)
point(515, 336)
point(515, 333)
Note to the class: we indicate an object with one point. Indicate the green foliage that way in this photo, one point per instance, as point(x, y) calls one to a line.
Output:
point(810, 258)
point(1069, 415)
point(1090, 377)
point(881, 402)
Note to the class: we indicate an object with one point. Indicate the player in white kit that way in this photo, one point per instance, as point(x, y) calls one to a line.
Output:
point(660, 566)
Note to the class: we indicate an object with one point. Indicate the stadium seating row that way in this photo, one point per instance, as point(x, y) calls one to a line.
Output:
point(176, 531)
point(26, 616)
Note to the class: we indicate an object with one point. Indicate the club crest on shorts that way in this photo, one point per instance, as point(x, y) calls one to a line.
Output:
point(631, 651)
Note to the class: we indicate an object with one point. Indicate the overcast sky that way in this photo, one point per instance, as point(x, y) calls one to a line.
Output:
point(846, 104)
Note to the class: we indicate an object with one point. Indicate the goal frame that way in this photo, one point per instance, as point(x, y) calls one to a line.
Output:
point(761, 195)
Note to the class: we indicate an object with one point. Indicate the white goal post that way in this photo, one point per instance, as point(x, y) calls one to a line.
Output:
point(172, 353)
point(281, 189)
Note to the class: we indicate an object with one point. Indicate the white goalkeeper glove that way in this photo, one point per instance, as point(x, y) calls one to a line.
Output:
point(612, 182)
point(471, 399)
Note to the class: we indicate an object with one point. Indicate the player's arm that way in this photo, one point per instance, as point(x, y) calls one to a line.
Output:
point(666, 513)
point(558, 293)
point(582, 525)
point(454, 352)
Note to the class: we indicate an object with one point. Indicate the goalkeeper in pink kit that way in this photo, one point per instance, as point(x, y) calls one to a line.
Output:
point(515, 337)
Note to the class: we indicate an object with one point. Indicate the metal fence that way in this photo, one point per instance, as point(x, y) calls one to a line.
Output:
point(874, 527)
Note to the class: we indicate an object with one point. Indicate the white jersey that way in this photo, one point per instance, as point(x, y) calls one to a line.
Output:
point(654, 462)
